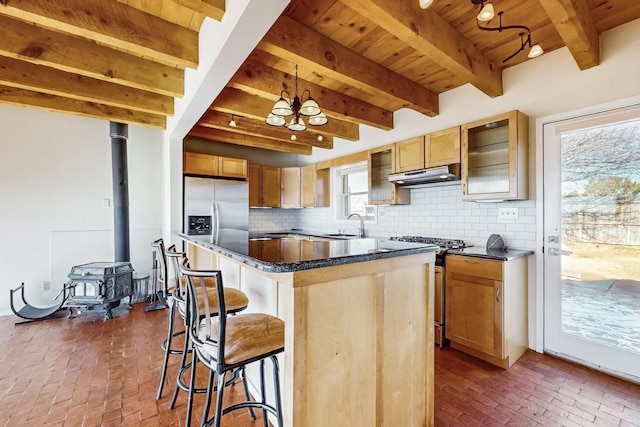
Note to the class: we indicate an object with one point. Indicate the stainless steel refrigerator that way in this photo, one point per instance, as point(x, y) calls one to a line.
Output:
point(217, 209)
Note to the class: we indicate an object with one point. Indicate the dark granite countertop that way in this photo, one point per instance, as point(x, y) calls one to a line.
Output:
point(282, 255)
point(497, 254)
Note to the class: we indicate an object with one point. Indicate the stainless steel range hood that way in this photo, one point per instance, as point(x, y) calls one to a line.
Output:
point(425, 177)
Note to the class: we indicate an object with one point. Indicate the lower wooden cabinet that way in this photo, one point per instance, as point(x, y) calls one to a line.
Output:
point(486, 307)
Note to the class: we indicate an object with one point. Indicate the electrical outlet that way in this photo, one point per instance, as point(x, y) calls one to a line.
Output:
point(508, 213)
point(46, 285)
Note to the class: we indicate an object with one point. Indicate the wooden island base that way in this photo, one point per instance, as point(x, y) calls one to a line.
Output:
point(358, 338)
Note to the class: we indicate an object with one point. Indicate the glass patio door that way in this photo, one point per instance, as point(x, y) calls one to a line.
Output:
point(592, 240)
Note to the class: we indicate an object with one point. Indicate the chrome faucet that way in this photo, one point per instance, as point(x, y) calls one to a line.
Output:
point(361, 223)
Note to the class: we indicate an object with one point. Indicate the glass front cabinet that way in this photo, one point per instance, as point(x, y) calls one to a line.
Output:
point(495, 158)
point(382, 161)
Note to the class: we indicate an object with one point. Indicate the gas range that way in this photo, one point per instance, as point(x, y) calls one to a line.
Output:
point(443, 244)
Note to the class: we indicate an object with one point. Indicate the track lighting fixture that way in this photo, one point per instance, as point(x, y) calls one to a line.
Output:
point(525, 36)
point(486, 11)
point(293, 136)
point(319, 137)
point(232, 123)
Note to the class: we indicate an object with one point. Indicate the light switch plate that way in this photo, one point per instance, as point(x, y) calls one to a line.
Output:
point(508, 213)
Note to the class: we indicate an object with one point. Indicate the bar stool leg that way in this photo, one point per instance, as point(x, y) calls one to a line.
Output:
point(276, 382)
point(263, 393)
point(183, 363)
point(246, 392)
point(167, 350)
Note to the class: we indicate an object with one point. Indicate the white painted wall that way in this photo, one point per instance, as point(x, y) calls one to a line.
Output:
point(55, 174)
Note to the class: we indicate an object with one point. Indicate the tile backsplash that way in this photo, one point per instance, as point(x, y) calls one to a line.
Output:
point(434, 211)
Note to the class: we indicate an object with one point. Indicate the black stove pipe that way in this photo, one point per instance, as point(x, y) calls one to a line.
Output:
point(119, 133)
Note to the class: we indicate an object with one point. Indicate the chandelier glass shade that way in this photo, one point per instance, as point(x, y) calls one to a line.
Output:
point(295, 107)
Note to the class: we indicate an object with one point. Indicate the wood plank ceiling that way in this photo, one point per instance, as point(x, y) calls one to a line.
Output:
point(124, 60)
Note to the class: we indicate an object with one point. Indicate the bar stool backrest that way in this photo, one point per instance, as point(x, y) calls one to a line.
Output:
point(161, 275)
point(195, 280)
point(176, 258)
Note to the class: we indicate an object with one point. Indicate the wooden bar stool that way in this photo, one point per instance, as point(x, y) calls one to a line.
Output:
point(227, 343)
point(237, 301)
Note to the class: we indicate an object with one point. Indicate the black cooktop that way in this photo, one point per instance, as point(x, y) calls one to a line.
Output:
point(443, 243)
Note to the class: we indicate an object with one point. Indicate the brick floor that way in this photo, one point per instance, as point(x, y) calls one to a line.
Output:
point(88, 372)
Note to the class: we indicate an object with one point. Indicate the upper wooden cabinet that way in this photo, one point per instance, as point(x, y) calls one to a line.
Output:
point(435, 149)
point(210, 165)
point(410, 154)
point(290, 188)
point(232, 168)
point(442, 148)
point(200, 164)
point(264, 186)
point(382, 161)
point(495, 158)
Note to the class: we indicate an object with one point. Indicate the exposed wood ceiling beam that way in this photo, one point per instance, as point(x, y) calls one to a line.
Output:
point(258, 79)
point(36, 45)
point(297, 43)
point(249, 141)
point(217, 120)
point(234, 101)
point(573, 21)
point(55, 82)
point(432, 36)
point(212, 8)
point(113, 24)
point(23, 97)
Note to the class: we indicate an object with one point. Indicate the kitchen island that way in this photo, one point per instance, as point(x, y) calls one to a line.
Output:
point(358, 319)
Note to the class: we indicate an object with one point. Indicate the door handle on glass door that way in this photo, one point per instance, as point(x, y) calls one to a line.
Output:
point(556, 252)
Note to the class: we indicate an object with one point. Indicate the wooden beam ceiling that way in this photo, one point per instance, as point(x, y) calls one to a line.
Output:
point(234, 101)
point(24, 97)
point(251, 127)
point(362, 60)
point(112, 24)
point(577, 29)
point(30, 43)
point(299, 44)
point(55, 82)
point(258, 79)
point(432, 36)
point(249, 141)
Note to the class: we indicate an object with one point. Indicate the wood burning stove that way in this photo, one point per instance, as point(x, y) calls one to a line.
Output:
point(99, 285)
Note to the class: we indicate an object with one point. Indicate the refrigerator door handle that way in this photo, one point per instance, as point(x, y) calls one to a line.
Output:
point(216, 220)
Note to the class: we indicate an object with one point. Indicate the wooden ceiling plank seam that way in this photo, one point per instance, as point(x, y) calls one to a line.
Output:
point(42, 101)
point(268, 82)
point(238, 139)
point(299, 44)
point(48, 80)
point(234, 101)
point(42, 46)
point(431, 35)
point(212, 8)
point(573, 22)
point(115, 25)
point(217, 120)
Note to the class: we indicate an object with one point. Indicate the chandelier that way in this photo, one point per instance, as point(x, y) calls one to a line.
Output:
point(487, 13)
point(285, 107)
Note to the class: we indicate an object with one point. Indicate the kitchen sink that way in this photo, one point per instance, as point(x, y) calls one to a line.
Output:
point(341, 235)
